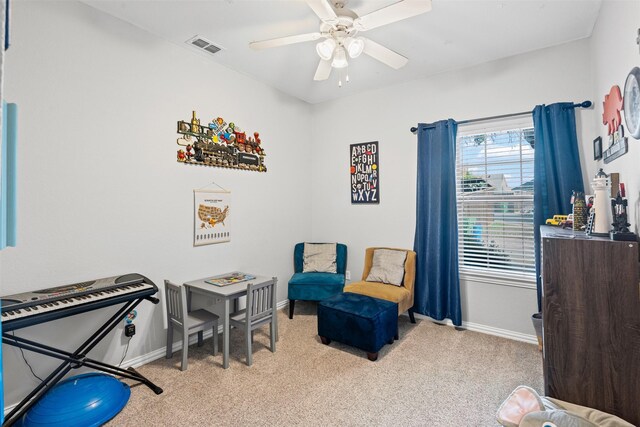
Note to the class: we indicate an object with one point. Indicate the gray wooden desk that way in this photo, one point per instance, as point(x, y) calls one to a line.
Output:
point(227, 294)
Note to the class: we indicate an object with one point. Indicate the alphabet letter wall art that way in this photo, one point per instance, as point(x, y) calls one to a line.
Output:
point(365, 173)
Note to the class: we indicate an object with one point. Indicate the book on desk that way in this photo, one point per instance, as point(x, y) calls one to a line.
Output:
point(230, 279)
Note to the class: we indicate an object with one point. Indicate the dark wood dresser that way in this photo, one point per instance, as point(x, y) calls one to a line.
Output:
point(591, 321)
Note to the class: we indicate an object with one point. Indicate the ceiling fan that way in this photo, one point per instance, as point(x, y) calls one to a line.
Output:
point(339, 27)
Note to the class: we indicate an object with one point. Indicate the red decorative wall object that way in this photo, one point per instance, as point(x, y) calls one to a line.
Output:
point(612, 106)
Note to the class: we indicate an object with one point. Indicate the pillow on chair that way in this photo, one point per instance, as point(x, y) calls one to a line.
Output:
point(387, 266)
point(320, 257)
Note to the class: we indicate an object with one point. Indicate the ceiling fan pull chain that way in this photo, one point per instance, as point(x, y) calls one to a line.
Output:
point(343, 73)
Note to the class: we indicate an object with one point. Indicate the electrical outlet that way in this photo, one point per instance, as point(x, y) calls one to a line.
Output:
point(347, 275)
point(130, 330)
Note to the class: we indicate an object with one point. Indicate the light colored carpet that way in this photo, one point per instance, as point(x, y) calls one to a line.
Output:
point(434, 375)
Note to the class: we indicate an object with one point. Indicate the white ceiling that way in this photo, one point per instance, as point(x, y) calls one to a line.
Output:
point(455, 34)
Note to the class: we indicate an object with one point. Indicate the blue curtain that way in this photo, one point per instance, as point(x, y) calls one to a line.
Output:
point(6, 25)
point(557, 170)
point(437, 287)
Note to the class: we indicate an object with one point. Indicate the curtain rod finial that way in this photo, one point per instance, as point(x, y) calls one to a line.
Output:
point(586, 104)
point(414, 129)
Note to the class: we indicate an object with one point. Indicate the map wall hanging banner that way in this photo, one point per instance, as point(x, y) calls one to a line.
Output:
point(365, 173)
point(219, 144)
point(211, 217)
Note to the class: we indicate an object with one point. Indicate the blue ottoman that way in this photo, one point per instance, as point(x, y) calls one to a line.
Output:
point(358, 320)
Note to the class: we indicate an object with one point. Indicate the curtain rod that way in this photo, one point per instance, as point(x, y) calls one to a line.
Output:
point(584, 104)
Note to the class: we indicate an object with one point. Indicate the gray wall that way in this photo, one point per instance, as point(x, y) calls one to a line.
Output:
point(100, 191)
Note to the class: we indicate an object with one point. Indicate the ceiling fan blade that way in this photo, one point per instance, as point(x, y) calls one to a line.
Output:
point(383, 54)
point(323, 9)
point(392, 13)
point(282, 41)
point(323, 71)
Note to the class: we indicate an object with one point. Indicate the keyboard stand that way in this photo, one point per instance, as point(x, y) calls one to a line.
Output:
point(74, 360)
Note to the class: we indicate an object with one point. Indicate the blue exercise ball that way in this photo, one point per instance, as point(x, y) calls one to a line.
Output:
point(81, 401)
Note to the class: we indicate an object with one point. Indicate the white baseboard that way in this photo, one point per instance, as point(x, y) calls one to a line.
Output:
point(505, 333)
point(144, 358)
point(476, 327)
point(490, 330)
point(161, 352)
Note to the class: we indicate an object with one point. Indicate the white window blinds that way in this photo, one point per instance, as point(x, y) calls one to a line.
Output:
point(494, 176)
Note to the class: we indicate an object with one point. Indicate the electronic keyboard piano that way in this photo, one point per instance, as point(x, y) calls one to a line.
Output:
point(32, 308)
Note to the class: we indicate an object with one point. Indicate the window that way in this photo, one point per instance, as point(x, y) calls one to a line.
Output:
point(494, 176)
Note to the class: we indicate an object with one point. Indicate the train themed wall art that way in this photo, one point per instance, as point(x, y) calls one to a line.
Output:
point(219, 144)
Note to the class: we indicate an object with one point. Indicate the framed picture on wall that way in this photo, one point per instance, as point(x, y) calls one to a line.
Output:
point(597, 148)
point(365, 173)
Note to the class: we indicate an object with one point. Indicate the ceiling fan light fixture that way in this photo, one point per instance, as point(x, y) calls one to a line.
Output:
point(340, 58)
point(354, 46)
point(325, 49)
point(337, 36)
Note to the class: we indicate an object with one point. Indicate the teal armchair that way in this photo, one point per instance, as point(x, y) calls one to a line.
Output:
point(315, 286)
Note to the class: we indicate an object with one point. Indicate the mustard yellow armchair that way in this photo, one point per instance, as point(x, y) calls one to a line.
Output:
point(402, 295)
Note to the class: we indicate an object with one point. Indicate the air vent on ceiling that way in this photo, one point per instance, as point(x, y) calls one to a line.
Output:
point(204, 44)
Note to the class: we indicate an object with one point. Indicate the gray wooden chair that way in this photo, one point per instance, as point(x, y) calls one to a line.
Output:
point(187, 322)
point(261, 309)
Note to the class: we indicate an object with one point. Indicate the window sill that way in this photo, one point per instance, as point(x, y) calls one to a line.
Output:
point(500, 279)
